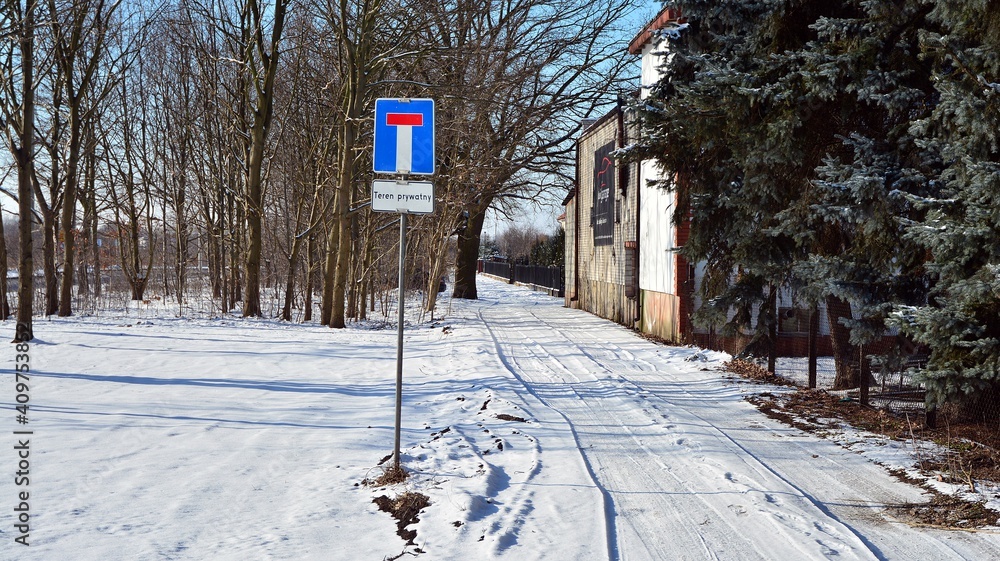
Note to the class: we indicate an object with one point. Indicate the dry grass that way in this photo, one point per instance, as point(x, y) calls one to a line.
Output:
point(752, 371)
point(404, 507)
point(391, 475)
point(947, 512)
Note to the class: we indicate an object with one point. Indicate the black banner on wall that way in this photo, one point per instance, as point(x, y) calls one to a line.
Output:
point(604, 195)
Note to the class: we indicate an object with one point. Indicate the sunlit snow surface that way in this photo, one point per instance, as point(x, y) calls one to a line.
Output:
point(225, 439)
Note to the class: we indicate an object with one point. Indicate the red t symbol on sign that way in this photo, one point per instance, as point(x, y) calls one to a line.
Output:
point(404, 123)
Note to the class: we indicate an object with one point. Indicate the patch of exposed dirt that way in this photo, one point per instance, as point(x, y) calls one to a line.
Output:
point(944, 511)
point(405, 509)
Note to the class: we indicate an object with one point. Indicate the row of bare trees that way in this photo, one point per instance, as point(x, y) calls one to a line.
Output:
point(232, 139)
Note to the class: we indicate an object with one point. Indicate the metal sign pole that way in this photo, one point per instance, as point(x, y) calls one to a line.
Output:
point(399, 338)
point(403, 145)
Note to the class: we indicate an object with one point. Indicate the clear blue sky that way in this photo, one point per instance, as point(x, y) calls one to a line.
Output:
point(543, 218)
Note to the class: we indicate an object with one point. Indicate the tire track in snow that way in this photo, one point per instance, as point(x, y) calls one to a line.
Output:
point(767, 469)
point(556, 369)
point(608, 505)
point(870, 489)
point(611, 514)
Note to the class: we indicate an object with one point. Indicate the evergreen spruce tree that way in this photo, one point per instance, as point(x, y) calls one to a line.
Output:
point(866, 77)
point(710, 120)
point(787, 122)
point(960, 321)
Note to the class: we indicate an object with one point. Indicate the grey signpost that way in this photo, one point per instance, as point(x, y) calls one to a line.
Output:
point(404, 145)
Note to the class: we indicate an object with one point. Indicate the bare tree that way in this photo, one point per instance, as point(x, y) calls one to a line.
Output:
point(519, 76)
point(364, 43)
point(516, 243)
point(195, 142)
point(80, 34)
point(261, 62)
point(305, 159)
point(172, 61)
point(87, 196)
point(17, 82)
point(215, 160)
point(48, 204)
point(128, 145)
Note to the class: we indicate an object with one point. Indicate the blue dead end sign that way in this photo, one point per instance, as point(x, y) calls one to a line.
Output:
point(404, 136)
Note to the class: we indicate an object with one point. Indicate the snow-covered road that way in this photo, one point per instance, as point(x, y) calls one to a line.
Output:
point(538, 433)
point(688, 469)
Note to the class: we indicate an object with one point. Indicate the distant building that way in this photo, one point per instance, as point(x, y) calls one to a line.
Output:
point(620, 242)
point(621, 258)
point(601, 228)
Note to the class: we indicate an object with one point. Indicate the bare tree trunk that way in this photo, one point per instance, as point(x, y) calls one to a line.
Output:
point(293, 262)
point(356, 27)
point(358, 268)
point(24, 156)
point(88, 201)
point(254, 210)
point(263, 86)
point(215, 264)
point(848, 376)
point(49, 260)
point(365, 281)
point(181, 233)
point(79, 33)
point(437, 253)
point(330, 268)
point(236, 239)
point(4, 304)
point(342, 224)
point(310, 277)
point(82, 280)
point(69, 212)
point(467, 258)
point(165, 247)
point(49, 208)
point(90, 219)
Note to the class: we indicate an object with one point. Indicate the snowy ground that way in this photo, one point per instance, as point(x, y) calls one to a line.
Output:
point(219, 439)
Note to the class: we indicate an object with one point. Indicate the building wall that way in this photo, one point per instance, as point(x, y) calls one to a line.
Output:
point(606, 245)
point(656, 207)
point(653, 56)
point(629, 277)
point(659, 266)
point(632, 273)
point(659, 315)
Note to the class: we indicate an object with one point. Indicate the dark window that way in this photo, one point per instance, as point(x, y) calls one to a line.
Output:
point(631, 270)
point(793, 320)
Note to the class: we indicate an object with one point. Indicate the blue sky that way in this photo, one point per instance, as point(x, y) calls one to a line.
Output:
point(543, 218)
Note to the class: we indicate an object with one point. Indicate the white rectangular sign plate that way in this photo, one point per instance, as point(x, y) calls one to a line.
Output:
point(411, 197)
